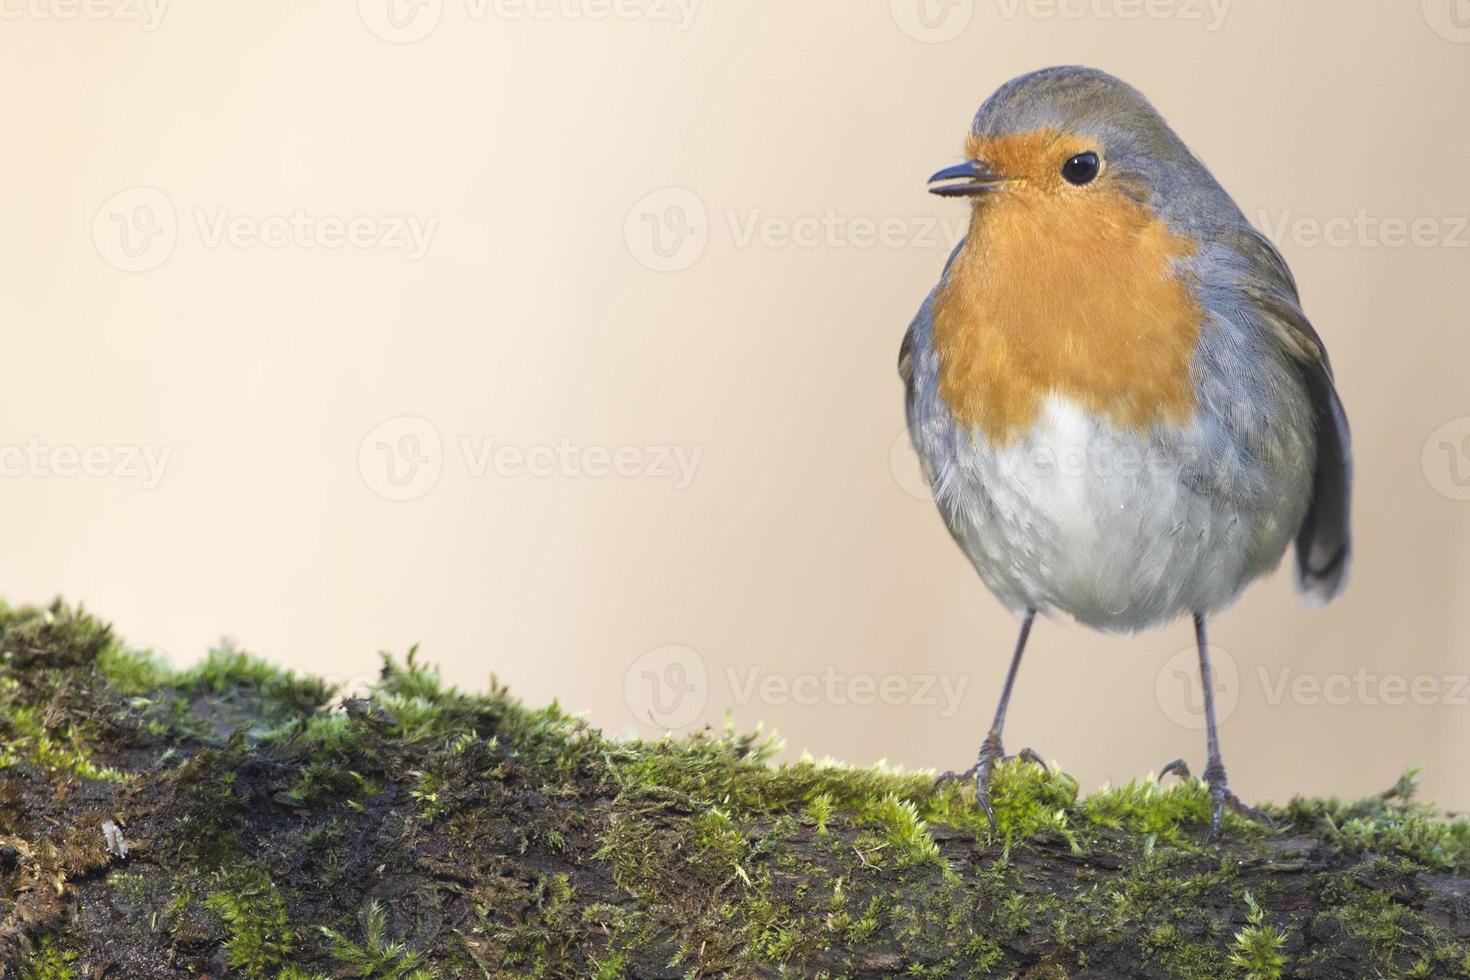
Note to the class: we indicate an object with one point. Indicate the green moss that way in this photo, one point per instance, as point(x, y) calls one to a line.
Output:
point(904, 833)
point(1167, 946)
point(374, 956)
point(260, 694)
point(133, 671)
point(260, 815)
point(48, 961)
point(260, 933)
point(1257, 949)
point(57, 747)
point(1393, 822)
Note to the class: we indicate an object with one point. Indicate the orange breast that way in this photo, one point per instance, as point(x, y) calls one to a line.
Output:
point(1056, 293)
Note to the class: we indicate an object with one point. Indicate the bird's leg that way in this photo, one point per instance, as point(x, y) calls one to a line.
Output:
point(992, 750)
point(1214, 775)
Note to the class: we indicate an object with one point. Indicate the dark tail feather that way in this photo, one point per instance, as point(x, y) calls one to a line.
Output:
point(1324, 545)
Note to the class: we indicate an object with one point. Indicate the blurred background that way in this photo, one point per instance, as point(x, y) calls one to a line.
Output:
point(559, 336)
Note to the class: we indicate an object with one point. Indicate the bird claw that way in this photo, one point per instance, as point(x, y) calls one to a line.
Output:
point(1220, 796)
point(991, 753)
point(1031, 756)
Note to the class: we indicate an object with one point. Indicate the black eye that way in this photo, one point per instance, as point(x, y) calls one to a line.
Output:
point(1081, 169)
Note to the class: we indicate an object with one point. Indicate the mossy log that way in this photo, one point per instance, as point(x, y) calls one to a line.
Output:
point(235, 820)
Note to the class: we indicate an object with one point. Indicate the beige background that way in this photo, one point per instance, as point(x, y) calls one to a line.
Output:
point(797, 565)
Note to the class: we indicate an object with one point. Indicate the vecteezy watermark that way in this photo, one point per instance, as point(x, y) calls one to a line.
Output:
point(403, 459)
point(401, 21)
point(675, 464)
point(1037, 462)
point(670, 229)
point(35, 459)
point(1364, 230)
point(1446, 459)
point(937, 21)
point(907, 471)
point(137, 230)
point(298, 228)
point(1209, 14)
point(1180, 695)
point(407, 21)
point(1364, 687)
point(932, 21)
point(669, 688)
point(667, 230)
point(841, 689)
point(831, 229)
point(1450, 19)
point(147, 14)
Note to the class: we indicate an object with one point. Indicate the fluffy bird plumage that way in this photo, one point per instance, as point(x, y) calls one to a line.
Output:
point(1123, 412)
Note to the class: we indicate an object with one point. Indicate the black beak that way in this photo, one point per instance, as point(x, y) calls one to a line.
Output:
point(974, 177)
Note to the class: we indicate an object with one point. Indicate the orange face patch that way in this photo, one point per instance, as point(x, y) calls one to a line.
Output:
point(1064, 290)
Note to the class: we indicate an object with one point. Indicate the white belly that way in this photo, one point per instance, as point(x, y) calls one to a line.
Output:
point(1095, 522)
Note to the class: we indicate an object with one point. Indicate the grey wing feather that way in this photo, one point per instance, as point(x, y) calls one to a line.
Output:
point(906, 367)
point(1324, 543)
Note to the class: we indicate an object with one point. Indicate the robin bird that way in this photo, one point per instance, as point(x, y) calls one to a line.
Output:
point(1122, 411)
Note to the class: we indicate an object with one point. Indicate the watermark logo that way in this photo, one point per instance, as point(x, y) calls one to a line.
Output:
point(136, 230)
point(932, 21)
point(667, 688)
point(907, 470)
point(1362, 229)
point(299, 228)
point(407, 21)
point(1446, 459)
point(670, 687)
point(147, 14)
point(668, 230)
point(837, 688)
point(963, 465)
point(676, 465)
point(1209, 14)
point(1450, 19)
point(1181, 697)
point(142, 464)
point(401, 21)
point(1364, 687)
point(402, 459)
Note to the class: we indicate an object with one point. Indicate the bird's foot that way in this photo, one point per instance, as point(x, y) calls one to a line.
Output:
point(991, 752)
point(1220, 795)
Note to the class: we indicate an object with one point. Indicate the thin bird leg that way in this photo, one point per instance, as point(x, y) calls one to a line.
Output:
point(992, 751)
point(1220, 793)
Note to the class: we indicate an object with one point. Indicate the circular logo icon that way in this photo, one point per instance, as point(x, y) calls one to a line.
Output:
point(1180, 695)
point(1446, 459)
point(136, 230)
point(907, 471)
point(401, 21)
point(932, 21)
point(1450, 19)
point(668, 230)
point(667, 688)
point(402, 459)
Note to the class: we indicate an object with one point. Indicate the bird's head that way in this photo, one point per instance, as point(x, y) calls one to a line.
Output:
point(1075, 139)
